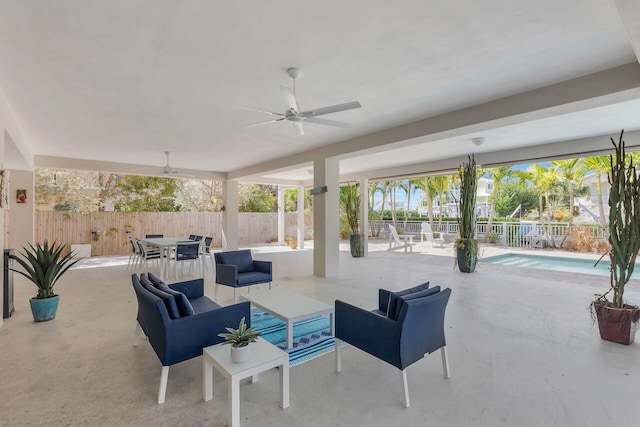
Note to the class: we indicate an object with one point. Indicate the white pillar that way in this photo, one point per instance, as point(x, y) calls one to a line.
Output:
point(300, 217)
point(281, 230)
point(364, 213)
point(326, 218)
point(230, 216)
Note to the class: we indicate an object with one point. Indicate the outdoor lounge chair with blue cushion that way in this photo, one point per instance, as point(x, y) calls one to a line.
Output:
point(238, 269)
point(406, 326)
point(179, 320)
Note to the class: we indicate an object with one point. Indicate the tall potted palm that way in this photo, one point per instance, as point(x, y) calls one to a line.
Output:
point(351, 204)
point(466, 245)
point(44, 265)
point(618, 321)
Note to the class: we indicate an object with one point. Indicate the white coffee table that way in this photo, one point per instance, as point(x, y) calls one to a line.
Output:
point(264, 356)
point(289, 307)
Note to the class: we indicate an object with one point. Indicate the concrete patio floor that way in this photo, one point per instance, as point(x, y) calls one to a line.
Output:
point(523, 351)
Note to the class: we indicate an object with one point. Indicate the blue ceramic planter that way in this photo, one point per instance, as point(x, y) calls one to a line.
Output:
point(44, 309)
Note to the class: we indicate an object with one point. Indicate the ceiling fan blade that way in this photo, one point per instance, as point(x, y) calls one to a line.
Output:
point(265, 123)
point(289, 99)
point(261, 111)
point(326, 122)
point(332, 109)
point(298, 126)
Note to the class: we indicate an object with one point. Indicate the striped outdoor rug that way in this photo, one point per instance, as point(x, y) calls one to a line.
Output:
point(311, 337)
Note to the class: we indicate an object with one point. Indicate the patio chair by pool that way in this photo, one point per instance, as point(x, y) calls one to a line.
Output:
point(397, 241)
point(425, 231)
point(406, 326)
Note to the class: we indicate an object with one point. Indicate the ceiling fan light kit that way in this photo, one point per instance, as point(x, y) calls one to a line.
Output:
point(293, 115)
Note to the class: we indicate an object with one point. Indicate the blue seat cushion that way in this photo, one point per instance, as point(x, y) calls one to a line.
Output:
point(241, 259)
point(184, 306)
point(168, 299)
point(253, 277)
point(203, 304)
point(392, 308)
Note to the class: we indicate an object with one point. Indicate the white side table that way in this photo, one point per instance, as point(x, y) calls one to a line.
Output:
point(264, 356)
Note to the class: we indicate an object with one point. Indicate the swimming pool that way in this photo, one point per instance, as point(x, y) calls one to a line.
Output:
point(571, 265)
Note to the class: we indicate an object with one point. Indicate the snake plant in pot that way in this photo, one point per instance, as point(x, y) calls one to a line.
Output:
point(466, 245)
point(240, 339)
point(44, 265)
point(618, 321)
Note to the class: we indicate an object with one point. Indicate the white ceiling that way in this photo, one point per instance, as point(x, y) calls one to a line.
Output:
point(123, 81)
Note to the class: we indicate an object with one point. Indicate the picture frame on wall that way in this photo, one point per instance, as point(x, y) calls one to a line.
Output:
point(21, 196)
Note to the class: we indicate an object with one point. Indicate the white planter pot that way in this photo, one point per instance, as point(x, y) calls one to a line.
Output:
point(240, 354)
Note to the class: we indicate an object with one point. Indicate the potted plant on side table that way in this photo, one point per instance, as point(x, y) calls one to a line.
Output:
point(240, 339)
point(44, 265)
point(466, 245)
point(618, 321)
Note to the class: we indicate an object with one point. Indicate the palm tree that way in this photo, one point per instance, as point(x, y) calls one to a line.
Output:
point(441, 185)
point(548, 180)
point(572, 172)
point(374, 187)
point(425, 184)
point(393, 185)
point(408, 186)
point(498, 175)
point(601, 166)
point(535, 175)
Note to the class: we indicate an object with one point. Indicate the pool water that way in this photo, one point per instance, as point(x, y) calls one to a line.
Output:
point(571, 265)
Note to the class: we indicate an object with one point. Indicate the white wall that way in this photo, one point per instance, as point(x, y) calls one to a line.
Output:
point(12, 147)
point(21, 215)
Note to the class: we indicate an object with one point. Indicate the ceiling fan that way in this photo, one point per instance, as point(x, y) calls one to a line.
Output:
point(168, 170)
point(296, 117)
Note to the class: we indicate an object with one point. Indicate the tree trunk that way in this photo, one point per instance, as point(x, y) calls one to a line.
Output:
point(603, 221)
point(568, 229)
point(491, 216)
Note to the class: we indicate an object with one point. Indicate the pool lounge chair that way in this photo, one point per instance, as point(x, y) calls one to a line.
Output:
point(397, 241)
point(425, 231)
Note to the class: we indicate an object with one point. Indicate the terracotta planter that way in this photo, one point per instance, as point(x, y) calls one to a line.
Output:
point(618, 325)
point(293, 244)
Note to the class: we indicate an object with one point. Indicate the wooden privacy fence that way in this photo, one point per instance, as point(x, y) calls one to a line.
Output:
point(107, 232)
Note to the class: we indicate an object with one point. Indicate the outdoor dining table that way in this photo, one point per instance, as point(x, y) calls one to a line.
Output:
point(164, 244)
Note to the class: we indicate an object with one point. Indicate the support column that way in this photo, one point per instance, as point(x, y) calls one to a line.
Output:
point(326, 218)
point(281, 235)
point(230, 216)
point(364, 213)
point(300, 217)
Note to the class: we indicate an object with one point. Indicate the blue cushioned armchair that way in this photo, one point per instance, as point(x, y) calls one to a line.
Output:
point(415, 329)
point(180, 322)
point(238, 269)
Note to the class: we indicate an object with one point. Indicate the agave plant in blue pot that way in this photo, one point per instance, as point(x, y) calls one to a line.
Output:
point(44, 265)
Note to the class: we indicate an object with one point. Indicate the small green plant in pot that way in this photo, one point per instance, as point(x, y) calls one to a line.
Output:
point(466, 245)
point(44, 265)
point(618, 321)
point(239, 339)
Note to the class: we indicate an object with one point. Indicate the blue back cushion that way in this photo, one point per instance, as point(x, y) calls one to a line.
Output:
point(414, 295)
point(169, 300)
point(184, 306)
point(242, 259)
point(392, 308)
